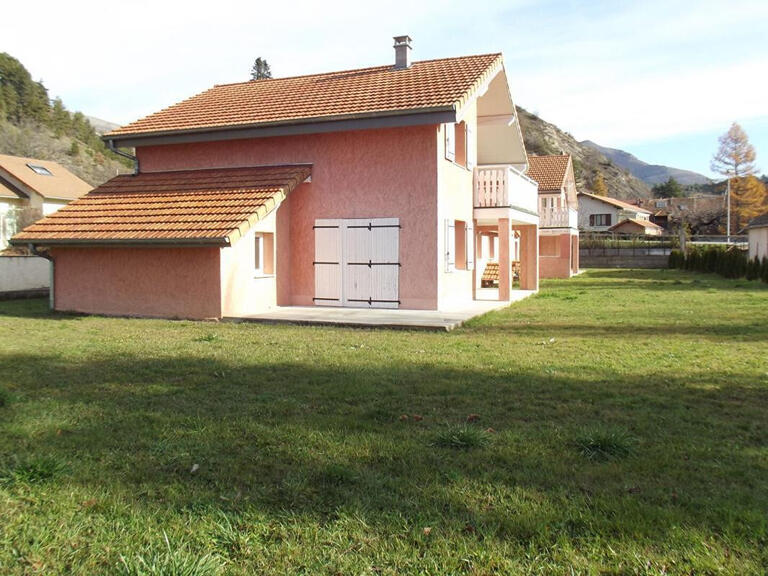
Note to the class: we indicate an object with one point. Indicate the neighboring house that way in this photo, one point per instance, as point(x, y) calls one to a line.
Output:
point(362, 188)
point(757, 232)
point(31, 189)
point(637, 226)
point(558, 215)
point(601, 213)
point(703, 214)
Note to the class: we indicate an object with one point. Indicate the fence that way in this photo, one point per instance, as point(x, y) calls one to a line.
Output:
point(610, 244)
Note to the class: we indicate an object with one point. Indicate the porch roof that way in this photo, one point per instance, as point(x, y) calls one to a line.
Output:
point(211, 206)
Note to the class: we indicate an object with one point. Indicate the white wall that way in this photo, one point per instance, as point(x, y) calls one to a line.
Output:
point(242, 290)
point(758, 242)
point(588, 206)
point(18, 273)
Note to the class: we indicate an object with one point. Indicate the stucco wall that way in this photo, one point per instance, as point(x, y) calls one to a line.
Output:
point(758, 242)
point(20, 273)
point(357, 174)
point(560, 265)
point(242, 290)
point(161, 282)
point(455, 202)
point(588, 206)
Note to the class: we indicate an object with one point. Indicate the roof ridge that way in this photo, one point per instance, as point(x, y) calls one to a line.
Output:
point(347, 71)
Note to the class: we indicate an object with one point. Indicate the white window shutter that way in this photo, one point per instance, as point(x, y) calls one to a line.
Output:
point(470, 236)
point(471, 148)
point(450, 142)
point(450, 245)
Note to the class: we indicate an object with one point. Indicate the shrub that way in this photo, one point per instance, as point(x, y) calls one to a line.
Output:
point(753, 269)
point(602, 444)
point(463, 437)
point(730, 262)
point(764, 269)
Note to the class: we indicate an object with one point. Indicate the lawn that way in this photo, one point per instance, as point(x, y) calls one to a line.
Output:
point(618, 424)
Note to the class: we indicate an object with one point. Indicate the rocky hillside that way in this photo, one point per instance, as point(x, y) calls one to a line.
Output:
point(651, 174)
point(544, 138)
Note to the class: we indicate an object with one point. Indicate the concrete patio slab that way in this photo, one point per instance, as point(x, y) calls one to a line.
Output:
point(438, 320)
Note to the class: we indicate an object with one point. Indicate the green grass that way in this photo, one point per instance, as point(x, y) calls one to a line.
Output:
point(158, 447)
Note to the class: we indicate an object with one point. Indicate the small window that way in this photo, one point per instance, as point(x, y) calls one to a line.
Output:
point(40, 170)
point(599, 219)
point(450, 142)
point(263, 254)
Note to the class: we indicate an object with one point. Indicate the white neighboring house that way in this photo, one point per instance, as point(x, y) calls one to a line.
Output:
point(601, 213)
point(31, 189)
point(758, 237)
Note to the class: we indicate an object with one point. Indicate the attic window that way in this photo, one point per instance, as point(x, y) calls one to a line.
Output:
point(40, 170)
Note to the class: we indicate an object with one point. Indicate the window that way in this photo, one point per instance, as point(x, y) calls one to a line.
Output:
point(450, 142)
point(459, 246)
point(599, 219)
point(263, 254)
point(460, 131)
point(40, 170)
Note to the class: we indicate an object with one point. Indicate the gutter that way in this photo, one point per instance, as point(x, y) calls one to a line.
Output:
point(111, 145)
point(36, 252)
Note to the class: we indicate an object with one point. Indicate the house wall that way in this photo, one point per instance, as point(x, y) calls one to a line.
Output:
point(163, 282)
point(454, 202)
point(355, 174)
point(555, 263)
point(589, 206)
point(243, 291)
point(758, 242)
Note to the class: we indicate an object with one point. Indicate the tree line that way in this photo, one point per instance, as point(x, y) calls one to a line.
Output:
point(23, 99)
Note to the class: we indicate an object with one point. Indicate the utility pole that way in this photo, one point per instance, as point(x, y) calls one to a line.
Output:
point(728, 210)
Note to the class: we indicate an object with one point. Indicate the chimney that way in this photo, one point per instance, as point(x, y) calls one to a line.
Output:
point(402, 52)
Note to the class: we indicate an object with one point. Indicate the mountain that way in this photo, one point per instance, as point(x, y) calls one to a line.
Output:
point(541, 137)
point(101, 126)
point(651, 174)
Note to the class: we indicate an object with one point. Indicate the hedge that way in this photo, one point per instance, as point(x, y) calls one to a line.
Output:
point(729, 262)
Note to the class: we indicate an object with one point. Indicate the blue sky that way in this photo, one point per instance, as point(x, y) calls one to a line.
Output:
point(660, 79)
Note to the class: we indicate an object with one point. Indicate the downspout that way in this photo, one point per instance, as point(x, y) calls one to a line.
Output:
point(113, 148)
point(47, 256)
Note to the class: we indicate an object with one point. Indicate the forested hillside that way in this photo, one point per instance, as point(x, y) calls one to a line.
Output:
point(31, 124)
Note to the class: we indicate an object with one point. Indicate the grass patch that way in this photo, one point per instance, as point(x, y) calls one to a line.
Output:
point(463, 437)
point(601, 444)
point(321, 450)
point(171, 561)
point(5, 397)
point(31, 470)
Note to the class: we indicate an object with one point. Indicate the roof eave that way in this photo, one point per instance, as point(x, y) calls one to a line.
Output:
point(344, 122)
point(220, 242)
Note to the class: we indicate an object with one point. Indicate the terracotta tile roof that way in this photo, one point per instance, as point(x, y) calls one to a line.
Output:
point(60, 185)
point(424, 86)
point(549, 171)
point(214, 206)
point(635, 221)
point(618, 203)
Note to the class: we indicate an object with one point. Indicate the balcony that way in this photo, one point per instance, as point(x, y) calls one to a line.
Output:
point(503, 186)
point(558, 218)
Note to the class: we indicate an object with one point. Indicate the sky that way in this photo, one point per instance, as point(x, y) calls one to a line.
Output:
point(658, 78)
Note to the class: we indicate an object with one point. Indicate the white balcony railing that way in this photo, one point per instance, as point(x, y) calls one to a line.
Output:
point(558, 218)
point(502, 185)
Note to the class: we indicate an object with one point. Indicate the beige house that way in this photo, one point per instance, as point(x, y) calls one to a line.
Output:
point(758, 237)
point(601, 213)
point(32, 188)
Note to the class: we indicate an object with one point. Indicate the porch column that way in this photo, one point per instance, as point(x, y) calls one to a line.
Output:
point(529, 257)
point(575, 242)
point(505, 265)
point(477, 246)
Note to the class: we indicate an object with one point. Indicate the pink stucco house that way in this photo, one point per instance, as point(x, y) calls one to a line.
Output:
point(362, 188)
point(558, 215)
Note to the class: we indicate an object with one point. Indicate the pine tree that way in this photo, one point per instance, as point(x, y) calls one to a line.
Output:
point(669, 189)
point(260, 69)
point(598, 184)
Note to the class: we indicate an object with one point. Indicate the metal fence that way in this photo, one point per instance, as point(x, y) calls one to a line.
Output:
point(611, 244)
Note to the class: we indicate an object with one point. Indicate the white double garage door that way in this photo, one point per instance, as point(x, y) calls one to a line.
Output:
point(357, 262)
